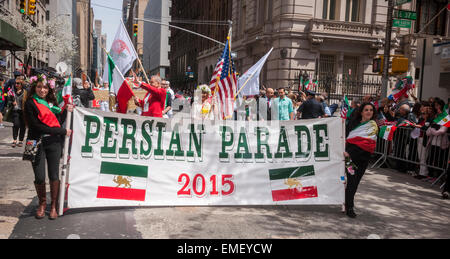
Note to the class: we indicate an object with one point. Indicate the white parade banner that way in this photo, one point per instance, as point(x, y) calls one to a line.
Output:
point(129, 160)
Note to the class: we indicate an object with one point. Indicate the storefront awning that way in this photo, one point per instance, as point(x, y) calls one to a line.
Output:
point(11, 38)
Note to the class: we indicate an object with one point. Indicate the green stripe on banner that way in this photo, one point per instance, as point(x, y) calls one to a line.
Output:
point(124, 169)
point(292, 172)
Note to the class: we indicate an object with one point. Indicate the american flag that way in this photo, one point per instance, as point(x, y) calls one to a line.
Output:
point(224, 78)
point(344, 108)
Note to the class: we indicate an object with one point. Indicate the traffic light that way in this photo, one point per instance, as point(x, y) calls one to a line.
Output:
point(23, 6)
point(31, 7)
point(135, 30)
point(378, 65)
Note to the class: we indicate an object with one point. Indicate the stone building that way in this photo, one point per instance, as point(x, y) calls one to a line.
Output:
point(206, 17)
point(337, 38)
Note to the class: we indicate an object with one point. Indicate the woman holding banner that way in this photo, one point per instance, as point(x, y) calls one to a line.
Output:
point(44, 119)
point(361, 132)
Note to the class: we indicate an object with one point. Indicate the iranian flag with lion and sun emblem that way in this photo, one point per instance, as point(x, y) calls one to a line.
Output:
point(293, 183)
point(122, 182)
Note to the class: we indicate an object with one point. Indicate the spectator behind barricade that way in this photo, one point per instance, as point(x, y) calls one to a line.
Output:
point(424, 121)
point(438, 141)
point(284, 106)
point(404, 113)
point(311, 108)
point(385, 112)
point(82, 93)
point(356, 103)
point(332, 108)
point(326, 109)
point(402, 136)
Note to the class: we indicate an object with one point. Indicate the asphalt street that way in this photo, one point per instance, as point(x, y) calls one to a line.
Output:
point(389, 204)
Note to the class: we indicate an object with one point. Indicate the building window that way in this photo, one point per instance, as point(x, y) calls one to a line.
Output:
point(327, 65)
point(330, 9)
point(350, 66)
point(427, 10)
point(353, 9)
point(243, 18)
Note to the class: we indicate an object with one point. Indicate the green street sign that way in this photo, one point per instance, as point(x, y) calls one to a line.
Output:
point(400, 2)
point(401, 14)
point(402, 23)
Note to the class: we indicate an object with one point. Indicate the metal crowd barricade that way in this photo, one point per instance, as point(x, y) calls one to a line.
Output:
point(408, 148)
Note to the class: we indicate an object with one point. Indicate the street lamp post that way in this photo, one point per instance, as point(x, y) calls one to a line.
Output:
point(387, 49)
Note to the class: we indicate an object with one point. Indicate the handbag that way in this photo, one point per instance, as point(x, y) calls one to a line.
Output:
point(32, 148)
point(8, 114)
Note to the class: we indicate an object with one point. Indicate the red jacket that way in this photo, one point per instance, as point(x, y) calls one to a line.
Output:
point(154, 101)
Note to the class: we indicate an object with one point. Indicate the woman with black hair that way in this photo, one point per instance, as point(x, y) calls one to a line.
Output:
point(438, 141)
point(17, 97)
point(44, 119)
point(361, 132)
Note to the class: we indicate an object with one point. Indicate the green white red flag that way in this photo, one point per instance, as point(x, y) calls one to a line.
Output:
point(443, 119)
point(64, 96)
point(122, 182)
point(293, 183)
point(387, 132)
point(119, 86)
point(364, 136)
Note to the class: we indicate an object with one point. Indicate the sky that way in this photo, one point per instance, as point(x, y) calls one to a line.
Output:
point(109, 16)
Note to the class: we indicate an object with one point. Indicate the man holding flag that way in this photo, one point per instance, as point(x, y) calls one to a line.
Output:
point(154, 102)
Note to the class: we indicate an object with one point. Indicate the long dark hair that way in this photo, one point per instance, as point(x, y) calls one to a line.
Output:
point(50, 98)
point(356, 116)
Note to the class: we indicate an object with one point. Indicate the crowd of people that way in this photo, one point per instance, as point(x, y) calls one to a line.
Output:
point(32, 103)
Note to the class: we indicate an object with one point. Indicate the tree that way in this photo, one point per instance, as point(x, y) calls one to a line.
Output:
point(54, 37)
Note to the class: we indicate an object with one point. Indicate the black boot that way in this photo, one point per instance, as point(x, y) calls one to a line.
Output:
point(350, 213)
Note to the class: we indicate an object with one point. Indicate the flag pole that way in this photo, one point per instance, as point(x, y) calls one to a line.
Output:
point(137, 56)
point(62, 187)
point(242, 88)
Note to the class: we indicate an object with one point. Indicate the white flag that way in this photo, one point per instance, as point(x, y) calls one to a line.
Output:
point(122, 52)
point(251, 77)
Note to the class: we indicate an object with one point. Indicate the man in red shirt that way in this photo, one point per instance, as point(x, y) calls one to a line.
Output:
point(154, 102)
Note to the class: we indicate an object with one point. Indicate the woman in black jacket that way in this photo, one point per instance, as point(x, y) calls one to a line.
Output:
point(44, 119)
point(361, 132)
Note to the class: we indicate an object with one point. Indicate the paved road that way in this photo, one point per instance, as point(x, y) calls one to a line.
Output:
point(389, 205)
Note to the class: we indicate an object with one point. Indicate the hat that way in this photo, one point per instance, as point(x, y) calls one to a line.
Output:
point(309, 92)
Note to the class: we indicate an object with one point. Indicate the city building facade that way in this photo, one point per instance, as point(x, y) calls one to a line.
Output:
point(324, 38)
point(209, 18)
point(156, 47)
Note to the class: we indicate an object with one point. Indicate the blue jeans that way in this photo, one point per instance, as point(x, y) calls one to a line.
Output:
point(333, 108)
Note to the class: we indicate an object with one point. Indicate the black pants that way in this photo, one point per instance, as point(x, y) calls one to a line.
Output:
point(353, 182)
point(18, 125)
point(49, 152)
